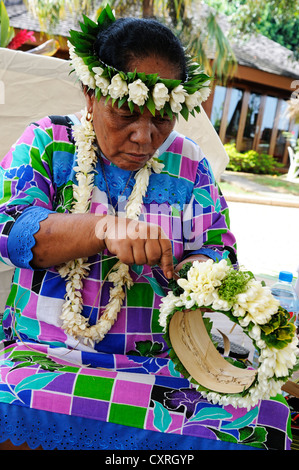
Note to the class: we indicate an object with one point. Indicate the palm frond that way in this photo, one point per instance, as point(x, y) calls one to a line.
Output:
point(224, 59)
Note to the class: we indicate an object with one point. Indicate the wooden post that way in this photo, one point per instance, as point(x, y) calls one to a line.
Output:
point(223, 126)
point(242, 121)
point(147, 8)
point(258, 127)
point(275, 128)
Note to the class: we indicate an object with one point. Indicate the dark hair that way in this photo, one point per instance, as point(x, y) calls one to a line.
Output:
point(131, 38)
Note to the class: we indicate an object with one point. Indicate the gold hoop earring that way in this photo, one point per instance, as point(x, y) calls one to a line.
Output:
point(89, 116)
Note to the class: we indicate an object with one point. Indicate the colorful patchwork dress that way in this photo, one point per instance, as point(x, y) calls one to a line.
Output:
point(53, 387)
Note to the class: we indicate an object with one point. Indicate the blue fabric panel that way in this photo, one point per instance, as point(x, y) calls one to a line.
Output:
point(58, 431)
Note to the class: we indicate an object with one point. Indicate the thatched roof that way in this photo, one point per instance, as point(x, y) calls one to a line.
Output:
point(258, 52)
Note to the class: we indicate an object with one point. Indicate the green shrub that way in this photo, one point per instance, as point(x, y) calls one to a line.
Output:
point(251, 161)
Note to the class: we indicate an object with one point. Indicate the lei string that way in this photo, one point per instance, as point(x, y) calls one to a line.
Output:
point(167, 96)
point(217, 286)
point(73, 322)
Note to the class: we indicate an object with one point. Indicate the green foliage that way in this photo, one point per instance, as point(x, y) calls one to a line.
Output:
point(6, 31)
point(276, 19)
point(251, 161)
point(27, 359)
point(285, 32)
point(146, 349)
point(279, 331)
point(173, 285)
point(209, 36)
point(233, 284)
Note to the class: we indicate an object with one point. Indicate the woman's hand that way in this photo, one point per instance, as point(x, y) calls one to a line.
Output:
point(63, 237)
point(135, 242)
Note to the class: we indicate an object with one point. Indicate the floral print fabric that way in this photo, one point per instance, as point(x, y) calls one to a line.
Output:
point(128, 378)
point(184, 200)
point(135, 391)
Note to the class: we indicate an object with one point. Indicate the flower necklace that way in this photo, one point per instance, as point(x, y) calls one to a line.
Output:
point(73, 322)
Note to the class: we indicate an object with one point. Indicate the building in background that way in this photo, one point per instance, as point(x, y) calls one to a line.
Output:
point(251, 109)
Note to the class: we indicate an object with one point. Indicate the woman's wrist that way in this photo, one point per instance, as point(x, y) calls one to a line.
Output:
point(100, 229)
point(63, 237)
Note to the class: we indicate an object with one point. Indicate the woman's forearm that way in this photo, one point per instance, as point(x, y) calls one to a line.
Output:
point(63, 237)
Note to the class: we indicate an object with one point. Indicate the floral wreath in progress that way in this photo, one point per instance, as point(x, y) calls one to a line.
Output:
point(217, 286)
point(164, 95)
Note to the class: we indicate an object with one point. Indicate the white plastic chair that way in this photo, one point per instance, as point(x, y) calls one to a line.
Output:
point(293, 172)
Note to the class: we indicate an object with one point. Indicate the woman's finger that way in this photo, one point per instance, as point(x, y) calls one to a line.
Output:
point(166, 261)
point(153, 252)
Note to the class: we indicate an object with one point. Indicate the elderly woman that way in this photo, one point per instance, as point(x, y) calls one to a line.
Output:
point(98, 211)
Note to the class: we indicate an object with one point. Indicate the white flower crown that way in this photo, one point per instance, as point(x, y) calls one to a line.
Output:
point(219, 287)
point(164, 95)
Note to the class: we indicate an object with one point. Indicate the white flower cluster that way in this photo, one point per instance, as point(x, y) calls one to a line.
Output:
point(202, 281)
point(199, 289)
point(137, 92)
point(179, 95)
point(275, 364)
point(73, 322)
point(133, 206)
point(256, 306)
point(84, 136)
point(81, 68)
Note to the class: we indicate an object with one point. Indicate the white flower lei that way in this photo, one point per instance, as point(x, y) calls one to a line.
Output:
point(75, 271)
point(252, 309)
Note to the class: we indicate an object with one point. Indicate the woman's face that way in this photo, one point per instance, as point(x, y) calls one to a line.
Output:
point(128, 139)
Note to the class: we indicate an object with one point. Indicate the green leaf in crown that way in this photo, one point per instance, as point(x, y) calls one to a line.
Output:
point(158, 94)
